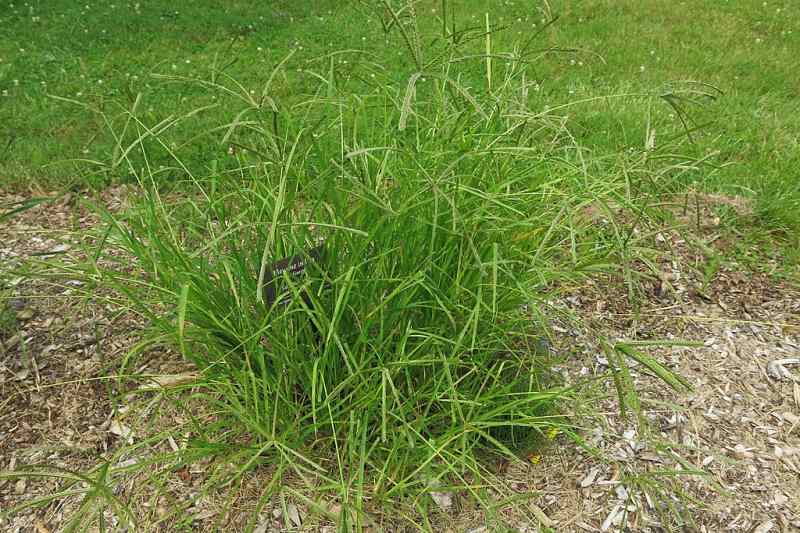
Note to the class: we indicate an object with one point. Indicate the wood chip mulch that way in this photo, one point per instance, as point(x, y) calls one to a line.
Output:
point(735, 436)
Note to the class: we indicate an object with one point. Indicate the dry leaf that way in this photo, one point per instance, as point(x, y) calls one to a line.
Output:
point(121, 430)
point(740, 452)
point(791, 418)
point(169, 380)
point(184, 474)
point(541, 517)
point(590, 477)
point(443, 499)
point(764, 527)
point(611, 518)
point(293, 514)
point(777, 369)
point(26, 314)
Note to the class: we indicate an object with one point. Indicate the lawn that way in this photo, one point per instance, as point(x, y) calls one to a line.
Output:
point(105, 54)
point(437, 176)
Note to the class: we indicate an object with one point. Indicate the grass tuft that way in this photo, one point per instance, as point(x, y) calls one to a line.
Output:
point(433, 215)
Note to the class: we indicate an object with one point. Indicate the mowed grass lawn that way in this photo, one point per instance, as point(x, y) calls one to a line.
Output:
point(104, 54)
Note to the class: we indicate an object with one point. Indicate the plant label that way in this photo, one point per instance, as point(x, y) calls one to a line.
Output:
point(294, 267)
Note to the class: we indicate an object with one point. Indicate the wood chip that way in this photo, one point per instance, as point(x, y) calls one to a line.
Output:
point(764, 527)
point(543, 519)
point(590, 477)
point(121, 430)
point(293, 514)
point(443, 499)
point(611, 518)
point(777, 369)
point(40, 527)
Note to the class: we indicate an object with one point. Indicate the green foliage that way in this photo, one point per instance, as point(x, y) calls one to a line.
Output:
point(445, 204)
point(105, 54)
point(8, 318)
point(449, 195)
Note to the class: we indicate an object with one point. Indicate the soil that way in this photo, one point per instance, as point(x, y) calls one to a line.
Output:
point(734, 438)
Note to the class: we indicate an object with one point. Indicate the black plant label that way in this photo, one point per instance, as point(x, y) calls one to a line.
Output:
point(295, 268)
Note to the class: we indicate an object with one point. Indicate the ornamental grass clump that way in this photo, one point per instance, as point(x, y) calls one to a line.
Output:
point(359, 273)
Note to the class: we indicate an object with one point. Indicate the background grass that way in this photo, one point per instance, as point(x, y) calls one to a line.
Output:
point(106, 53)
